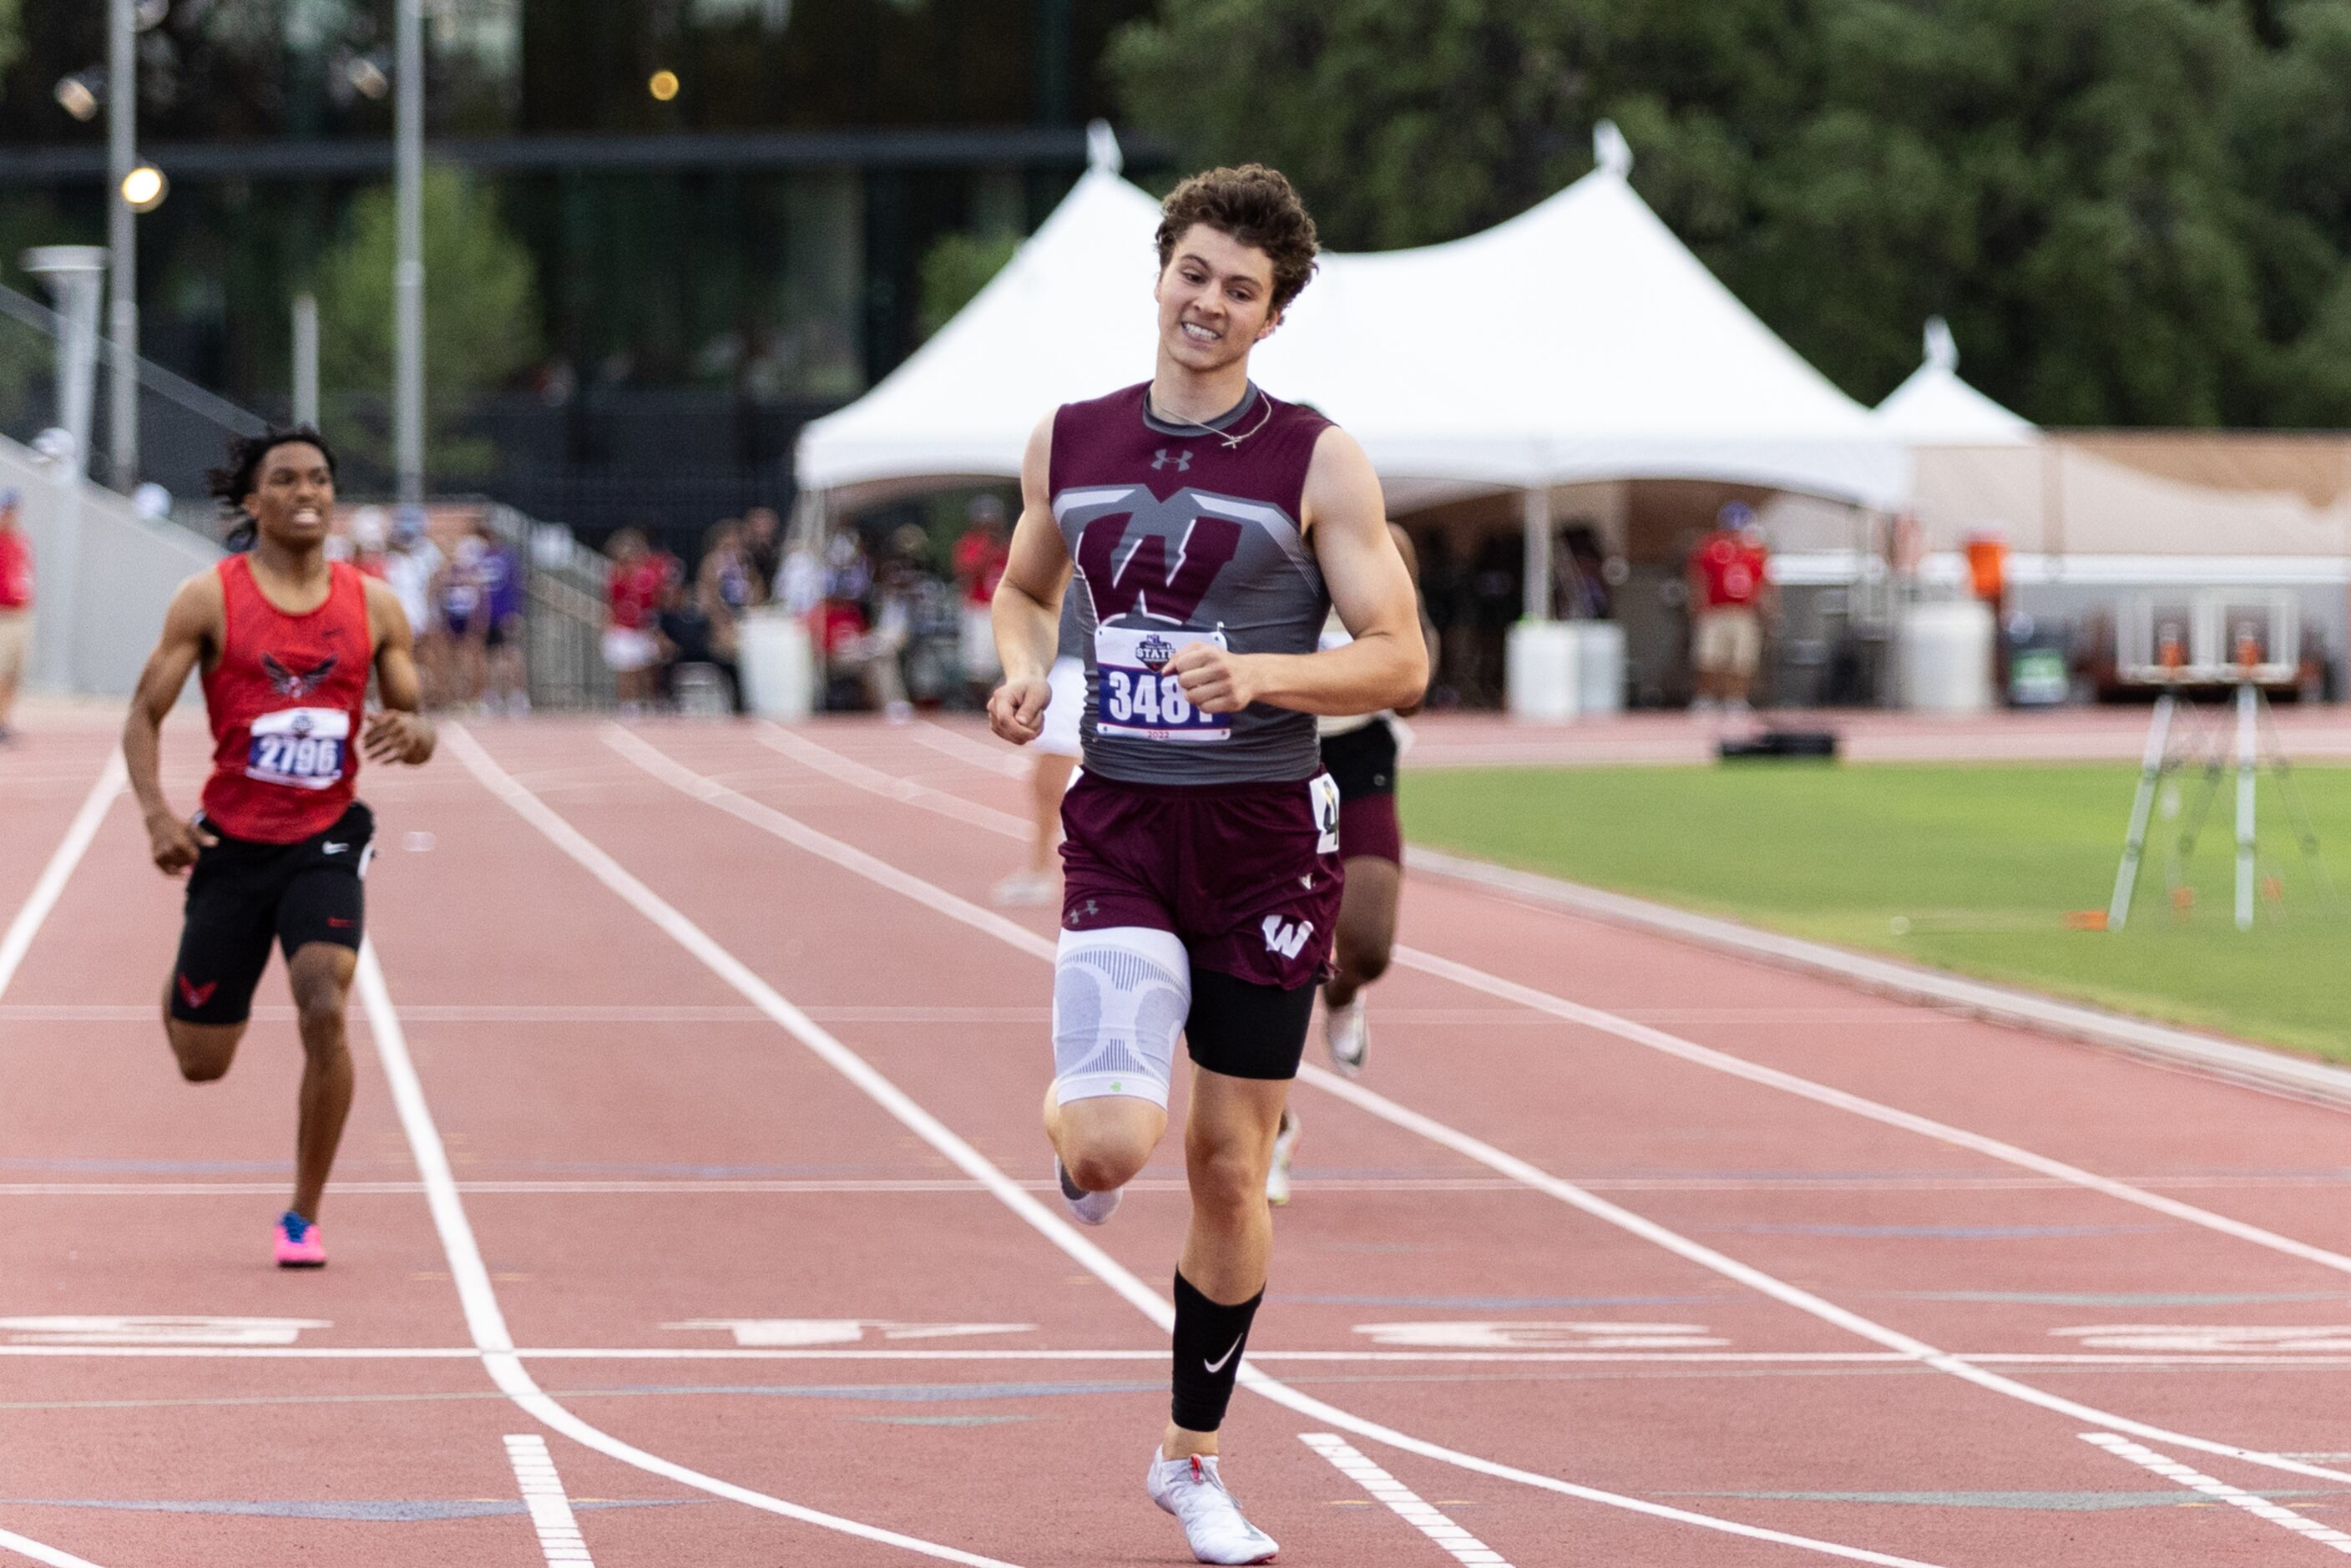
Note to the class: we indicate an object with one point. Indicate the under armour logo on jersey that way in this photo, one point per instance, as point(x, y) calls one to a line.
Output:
point(1286, 938)
point(286, 683)
point(1183, 460)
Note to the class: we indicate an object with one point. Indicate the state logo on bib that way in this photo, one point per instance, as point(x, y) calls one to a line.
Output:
point(1138, 697)
point(299, 748)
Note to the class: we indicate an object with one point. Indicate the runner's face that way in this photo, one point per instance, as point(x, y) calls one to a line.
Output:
point(293, 499)
point(1216, 300)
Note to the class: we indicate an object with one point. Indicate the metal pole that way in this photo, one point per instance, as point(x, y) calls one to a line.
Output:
point(306, 359)
point(2246, 746)
point(75, 275)
point(408, 272)
point(121, 140)
point(2150, 774)
point(1535, 512)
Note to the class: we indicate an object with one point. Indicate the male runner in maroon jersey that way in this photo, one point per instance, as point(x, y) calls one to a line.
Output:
point(1210, 527)
point(286, 639)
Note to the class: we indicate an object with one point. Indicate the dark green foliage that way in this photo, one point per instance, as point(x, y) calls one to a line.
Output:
point(2134, 212)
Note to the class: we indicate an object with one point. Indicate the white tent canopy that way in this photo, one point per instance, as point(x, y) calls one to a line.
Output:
point(1578, 341)
point(1935, 408)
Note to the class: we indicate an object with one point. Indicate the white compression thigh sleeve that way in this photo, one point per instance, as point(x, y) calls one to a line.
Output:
point(1120, 999)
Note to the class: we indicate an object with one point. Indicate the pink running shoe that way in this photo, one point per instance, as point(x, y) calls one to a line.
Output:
point(300, 1243)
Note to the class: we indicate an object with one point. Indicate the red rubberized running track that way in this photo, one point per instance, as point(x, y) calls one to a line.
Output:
point(697, 1141)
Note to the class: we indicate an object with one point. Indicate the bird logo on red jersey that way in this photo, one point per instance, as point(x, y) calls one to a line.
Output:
point(286, 683)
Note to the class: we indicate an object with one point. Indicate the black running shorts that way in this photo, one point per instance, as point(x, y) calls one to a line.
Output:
point(242, 896)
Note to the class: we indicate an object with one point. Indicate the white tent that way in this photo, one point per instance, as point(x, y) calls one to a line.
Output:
point(1579, 341)
point(1935, 408)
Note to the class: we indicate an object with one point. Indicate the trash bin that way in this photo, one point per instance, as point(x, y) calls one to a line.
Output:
point(1599, 666)
point(1539, 671)
point(778, 661)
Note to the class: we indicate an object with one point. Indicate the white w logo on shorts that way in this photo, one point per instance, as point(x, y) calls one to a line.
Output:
point(1286, 939)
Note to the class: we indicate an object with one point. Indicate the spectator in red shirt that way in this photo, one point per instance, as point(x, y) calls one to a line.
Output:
point(979, 557)
point(633, 594)
point(1730, 591)
point(16, 608)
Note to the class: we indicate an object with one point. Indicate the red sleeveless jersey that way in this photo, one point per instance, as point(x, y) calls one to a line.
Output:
point(286, 699)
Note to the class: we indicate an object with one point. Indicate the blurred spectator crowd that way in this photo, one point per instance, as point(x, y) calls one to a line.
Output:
point(898, 620)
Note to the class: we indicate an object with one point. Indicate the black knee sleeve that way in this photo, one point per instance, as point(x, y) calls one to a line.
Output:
point(1209, 1338)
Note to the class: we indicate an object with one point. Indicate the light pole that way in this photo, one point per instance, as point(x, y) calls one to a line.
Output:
point(408, 271)
point(121, 135)
point(74, 274)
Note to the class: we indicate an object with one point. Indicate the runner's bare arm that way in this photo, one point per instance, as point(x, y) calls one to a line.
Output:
point(1028, 606)
point(1420, 610)
point(395, 732)
point(192, 626)
point(1387, 665)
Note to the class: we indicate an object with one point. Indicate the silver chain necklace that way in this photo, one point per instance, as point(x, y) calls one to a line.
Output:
point(1230, 441)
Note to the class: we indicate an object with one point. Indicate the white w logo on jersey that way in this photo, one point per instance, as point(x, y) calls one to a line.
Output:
point(1286, 939)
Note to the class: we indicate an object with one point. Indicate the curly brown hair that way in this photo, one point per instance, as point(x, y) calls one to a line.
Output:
point(1256, 205)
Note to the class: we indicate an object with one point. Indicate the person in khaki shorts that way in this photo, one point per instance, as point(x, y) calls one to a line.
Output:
point(1728, 593)
point(16, 608)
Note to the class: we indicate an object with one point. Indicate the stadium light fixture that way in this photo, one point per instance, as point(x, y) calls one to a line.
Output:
point(366, 75)
point(144, 188)
point(663, 86)
point(82, 94)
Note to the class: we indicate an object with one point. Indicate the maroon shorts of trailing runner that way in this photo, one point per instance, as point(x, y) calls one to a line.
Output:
point(1248, 876)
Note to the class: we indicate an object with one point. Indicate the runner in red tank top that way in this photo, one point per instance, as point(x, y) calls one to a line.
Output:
point(286, 640)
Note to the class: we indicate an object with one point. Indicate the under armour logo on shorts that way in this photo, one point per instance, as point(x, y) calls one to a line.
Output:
point(1183, 460)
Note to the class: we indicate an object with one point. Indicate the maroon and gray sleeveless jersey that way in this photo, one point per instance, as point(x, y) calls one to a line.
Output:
point(1180, 534)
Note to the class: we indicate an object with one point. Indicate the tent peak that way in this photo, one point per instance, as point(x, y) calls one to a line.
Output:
point(1943, 349)
point(1610, 150)
point(1103, 154)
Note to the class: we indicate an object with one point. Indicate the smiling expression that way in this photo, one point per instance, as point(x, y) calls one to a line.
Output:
point(1216, 300)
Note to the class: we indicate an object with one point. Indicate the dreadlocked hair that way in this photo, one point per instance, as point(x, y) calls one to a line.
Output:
point(234, 480)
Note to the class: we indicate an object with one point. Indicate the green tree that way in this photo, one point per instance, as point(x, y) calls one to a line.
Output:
point(2132, 211)
point(481, 315)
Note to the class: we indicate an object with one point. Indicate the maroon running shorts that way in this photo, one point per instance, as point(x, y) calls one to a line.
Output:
point(1248, 876)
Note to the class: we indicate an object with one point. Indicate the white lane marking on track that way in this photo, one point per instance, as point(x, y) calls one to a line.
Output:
point(2210, 1339)
point(542, 1493)
point(51, 884)
point(25, 1546)
point(978, 753)
point(778, 1333)
point(171, 1330)
point(849, 770)
point(487, 1323)
point(47, 890)
point(1541, 1335)
point(1462, 1546)
point(2219, 1491)
point(1804, 1088)
point(935, 1133)
point(1530, 1175)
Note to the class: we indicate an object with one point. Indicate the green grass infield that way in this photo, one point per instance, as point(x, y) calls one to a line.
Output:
point(1974, 869)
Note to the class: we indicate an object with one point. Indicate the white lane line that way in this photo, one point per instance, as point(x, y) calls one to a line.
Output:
point(1673, 1045)
point(60, 869)
point(1495, 1159)
point(1457, 1542)
point(849, 770)
point(487, 1323)
point(1764, 1358)
point(47, 891)
point(2220, 1491)
point(887, 1094)
point(994, 759)
point(24, 1546)
point(542, 1493)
